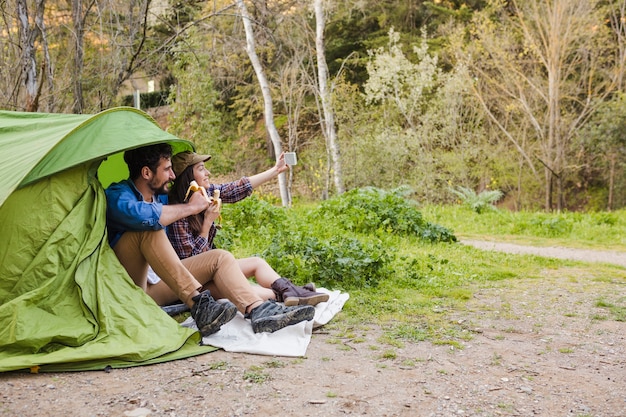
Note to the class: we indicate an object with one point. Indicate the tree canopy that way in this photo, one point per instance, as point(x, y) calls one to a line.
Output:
point(508, 95)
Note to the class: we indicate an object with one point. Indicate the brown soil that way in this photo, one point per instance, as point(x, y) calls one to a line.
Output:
point(534, 348)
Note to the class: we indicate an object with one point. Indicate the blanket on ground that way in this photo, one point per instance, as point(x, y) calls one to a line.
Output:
point(237, 335)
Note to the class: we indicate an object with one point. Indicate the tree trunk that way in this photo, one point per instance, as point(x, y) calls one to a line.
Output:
point(612, 164)
point(28, 37)
point(617, 20)
point(267, 97)
point(77, 17)
point(548, 176)
point(328, 122)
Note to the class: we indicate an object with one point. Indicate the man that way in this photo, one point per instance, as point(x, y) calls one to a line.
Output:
point(137, 214)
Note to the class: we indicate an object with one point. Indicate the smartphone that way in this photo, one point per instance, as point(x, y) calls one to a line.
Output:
point(291, 158)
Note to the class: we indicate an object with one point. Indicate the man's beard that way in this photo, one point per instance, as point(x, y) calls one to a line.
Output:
point(163, 189)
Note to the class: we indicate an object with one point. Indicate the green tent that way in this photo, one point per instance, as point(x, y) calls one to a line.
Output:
point(66, 303)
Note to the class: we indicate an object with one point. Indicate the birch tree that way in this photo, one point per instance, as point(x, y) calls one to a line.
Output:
point(328, 120)
point(31, 30)
point(267, 96)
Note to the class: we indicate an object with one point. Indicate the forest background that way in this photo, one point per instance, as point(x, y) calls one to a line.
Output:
point(522, 97)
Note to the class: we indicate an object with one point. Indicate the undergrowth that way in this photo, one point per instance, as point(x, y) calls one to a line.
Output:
point(402, 266)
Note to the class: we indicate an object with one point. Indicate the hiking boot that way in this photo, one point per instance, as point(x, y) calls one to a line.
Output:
point(293, 295)
point(209, 314)
point(270, 316)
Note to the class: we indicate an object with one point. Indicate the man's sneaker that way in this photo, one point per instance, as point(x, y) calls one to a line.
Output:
point(270, 316)
point(209, 314)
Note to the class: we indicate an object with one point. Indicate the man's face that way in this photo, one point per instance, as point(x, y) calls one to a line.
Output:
point(159, 183)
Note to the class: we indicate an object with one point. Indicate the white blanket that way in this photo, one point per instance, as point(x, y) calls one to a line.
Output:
point(237, 335)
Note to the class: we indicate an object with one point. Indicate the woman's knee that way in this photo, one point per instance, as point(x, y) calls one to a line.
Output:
point(223, 255)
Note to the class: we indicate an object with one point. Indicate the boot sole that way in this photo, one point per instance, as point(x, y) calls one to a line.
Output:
point(313, 300)
point(271, 324)
point(225, 316)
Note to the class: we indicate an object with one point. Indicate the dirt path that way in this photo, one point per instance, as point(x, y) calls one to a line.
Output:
point(610, 257)
point(528, 347)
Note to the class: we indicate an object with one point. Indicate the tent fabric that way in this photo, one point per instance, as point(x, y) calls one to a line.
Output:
point(66, 303)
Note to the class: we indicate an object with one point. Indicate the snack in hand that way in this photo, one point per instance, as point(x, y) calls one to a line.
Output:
point(216, 199)
point(193, 187)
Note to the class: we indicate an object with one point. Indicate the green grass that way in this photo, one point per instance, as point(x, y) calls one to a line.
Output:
point(599, 230)
point(256, 375)
point(406, 278)
point(617, 310)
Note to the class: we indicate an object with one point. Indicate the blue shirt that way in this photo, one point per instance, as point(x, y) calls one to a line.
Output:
point(127, 210)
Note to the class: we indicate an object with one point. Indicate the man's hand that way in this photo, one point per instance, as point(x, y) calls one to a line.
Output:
point(198, 203)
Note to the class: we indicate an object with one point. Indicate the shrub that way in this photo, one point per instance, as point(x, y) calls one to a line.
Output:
point(252, 217)
point(366, 210)
point(477, 202)
point(338, 262)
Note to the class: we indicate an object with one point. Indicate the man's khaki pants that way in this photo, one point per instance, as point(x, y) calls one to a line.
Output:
point(216, 270)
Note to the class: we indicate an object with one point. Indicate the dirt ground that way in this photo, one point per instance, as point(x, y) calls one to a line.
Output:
point(534, 348)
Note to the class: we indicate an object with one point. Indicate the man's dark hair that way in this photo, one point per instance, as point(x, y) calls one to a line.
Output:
point(146, 156)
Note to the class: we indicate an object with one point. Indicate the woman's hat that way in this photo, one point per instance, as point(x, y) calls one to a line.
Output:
point(185, 159)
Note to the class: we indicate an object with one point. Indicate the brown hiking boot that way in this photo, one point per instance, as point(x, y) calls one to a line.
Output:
point(293, 295)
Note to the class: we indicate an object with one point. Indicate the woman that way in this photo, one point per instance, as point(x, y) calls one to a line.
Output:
point(193, 235)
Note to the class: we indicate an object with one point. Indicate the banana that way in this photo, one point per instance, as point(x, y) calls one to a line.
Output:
point(193, 187)
point(217, 200)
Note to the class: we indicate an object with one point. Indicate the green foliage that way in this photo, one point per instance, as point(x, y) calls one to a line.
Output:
point(194, 102)
point(253, 216)
point(603, 140)
point(254, 212)
point(320, 244)
point(404, 85)
point(337, 262)
point(477, 202)
point(373, 210)
point(606, 131)
point(256, 375)
point(601, 230)
point(410, 285)
point(416, 124)
point(545, 226)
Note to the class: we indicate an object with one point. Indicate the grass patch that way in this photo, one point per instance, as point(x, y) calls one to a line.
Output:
point(220, 365)
point(256, 375)
point(617, 312)
point(389, 354)
point(412, 278)
point(601, 230)
point(275, 363)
